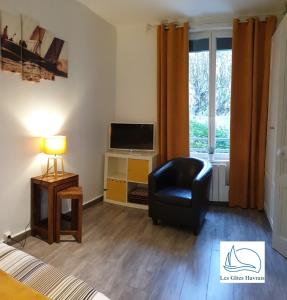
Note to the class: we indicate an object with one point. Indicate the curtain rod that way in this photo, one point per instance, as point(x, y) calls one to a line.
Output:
point(166, 25)
point(245, 19)
point(242, 19)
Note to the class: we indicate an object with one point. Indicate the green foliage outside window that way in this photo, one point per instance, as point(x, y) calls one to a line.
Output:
point(199, 97)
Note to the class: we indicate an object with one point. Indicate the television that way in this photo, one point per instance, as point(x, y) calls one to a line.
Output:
point(124, 136)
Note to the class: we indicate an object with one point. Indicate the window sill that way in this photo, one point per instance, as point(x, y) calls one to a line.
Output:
point(212, 158)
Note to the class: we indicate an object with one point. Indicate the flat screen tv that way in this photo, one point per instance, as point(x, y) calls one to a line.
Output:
point(125, 136)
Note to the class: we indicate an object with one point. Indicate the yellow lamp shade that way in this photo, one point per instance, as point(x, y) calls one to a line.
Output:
point(55, 145)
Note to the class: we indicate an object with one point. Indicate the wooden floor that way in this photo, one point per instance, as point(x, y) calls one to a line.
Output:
point(126, 257)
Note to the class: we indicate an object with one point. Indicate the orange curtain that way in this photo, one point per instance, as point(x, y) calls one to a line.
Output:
point(173, 115)
point(249, 110)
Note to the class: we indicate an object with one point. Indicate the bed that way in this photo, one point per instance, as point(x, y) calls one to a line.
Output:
point(44, 278)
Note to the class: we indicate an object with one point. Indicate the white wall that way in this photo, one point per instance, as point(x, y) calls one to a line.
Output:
point(136, 91)
point(80, 107)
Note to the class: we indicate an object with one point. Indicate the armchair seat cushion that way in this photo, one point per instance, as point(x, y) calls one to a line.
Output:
point(174, 195)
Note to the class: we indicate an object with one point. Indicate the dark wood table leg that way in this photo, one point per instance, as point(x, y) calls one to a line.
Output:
point(80, 219)
point(50, 215)
point(74, 214)
point(77, 217)
point(33, 209)
point(58, 219)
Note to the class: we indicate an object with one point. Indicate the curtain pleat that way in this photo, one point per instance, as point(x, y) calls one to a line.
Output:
point(173, 114)
point(249, 110)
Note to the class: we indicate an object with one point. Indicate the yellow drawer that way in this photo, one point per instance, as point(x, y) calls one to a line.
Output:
point(116, 190)
point(138, 170)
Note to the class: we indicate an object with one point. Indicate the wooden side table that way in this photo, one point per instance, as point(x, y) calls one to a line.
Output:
point(44, 224)
point(74, 193)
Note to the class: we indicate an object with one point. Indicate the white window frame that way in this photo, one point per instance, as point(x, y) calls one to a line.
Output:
point(212, 35)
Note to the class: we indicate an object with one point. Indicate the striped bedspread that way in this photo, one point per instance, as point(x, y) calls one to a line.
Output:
point(44, 278)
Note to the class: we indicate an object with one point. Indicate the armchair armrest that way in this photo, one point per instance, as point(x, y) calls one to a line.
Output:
point(205, 173)
point(200, 185)
point(161, 177)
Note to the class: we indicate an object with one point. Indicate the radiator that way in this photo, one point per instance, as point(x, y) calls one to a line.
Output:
point(219, 187)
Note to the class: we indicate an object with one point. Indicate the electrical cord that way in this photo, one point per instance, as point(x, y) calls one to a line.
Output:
point(21, 242)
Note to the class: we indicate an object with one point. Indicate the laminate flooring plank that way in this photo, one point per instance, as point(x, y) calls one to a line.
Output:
point(252, 226)
point(128, 258)
point(197, 272)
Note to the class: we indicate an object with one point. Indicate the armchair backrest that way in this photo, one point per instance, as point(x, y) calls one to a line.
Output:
point(186, 170)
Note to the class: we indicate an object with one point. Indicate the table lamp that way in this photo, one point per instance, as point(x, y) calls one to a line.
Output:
point(55, 146)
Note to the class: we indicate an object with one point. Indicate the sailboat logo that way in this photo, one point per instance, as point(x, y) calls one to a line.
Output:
point(243, 259)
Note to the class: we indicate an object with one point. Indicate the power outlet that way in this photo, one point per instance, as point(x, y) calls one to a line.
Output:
point(6, 235)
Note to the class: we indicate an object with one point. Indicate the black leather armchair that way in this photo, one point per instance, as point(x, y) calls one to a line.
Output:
point(179, 192)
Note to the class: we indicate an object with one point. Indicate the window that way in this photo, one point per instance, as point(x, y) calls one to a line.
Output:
point(210, 61)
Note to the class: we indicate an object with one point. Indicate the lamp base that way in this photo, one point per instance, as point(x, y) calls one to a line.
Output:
point(52, 168)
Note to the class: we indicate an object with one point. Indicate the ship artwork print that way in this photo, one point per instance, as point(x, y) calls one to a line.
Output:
point(11, 53)
point(30, 50)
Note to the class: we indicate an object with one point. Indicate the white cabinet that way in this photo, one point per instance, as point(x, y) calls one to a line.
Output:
point(126, 177)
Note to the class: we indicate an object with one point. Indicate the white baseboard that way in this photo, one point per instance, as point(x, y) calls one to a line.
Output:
point(17, 234)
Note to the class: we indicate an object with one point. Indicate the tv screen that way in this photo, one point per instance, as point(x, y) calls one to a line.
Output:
point(132, 136)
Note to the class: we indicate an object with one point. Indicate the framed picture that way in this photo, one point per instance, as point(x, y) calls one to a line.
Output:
point(31, 50)
point(11, 50)
point(32, 35)
point(57, 57)
point(47, 71)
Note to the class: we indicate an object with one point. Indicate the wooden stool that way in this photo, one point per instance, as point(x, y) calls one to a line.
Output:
point(76, 195)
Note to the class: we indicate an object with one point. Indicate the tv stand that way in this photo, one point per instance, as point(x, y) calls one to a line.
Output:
point(126, 177)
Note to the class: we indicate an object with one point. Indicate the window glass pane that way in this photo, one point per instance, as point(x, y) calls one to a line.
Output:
point(198, 95)
point(223, 94)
